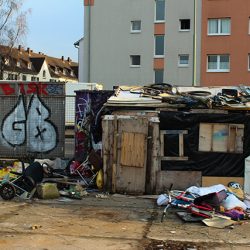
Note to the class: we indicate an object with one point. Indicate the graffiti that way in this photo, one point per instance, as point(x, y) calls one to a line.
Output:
point(42, 89)
point(13, 127)
point(30, 125)
point(89, 107)
point(54, 89)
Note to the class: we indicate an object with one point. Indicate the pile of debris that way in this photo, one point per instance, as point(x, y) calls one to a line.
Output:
point(187, 97)
point(216, 206)
point(51, 178)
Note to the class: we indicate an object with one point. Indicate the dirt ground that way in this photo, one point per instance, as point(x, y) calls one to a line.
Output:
point(112, 222)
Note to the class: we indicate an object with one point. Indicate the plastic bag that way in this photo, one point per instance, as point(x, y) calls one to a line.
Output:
point(232, 201)
point(99, 179)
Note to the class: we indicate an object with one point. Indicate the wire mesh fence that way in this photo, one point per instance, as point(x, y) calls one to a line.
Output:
point(32, 120)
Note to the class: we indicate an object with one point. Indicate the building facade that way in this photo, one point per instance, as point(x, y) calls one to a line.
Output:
point(25, 65)
point(184, 43)
point(225, 43)
point(141, 42)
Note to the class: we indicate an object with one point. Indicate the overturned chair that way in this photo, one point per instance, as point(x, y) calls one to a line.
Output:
point(24, 184)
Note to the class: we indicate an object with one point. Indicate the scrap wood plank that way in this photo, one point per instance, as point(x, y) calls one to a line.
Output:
point(107, 140)
point(114, 167)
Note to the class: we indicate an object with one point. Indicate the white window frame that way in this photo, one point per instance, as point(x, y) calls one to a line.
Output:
point(29, 65)
point(248, 65)
point(134, 65)
point(182, 65)
point(219, 27)
point(163, 55)
point(18, 64)
point(184, 30)
point(6, 61)
point(134, 30)
point(160, 20)
point(218, 64)
point(249, 26)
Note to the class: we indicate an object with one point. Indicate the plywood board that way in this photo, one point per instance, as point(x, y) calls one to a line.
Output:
point(219, 137)
point(181, 180)
point(132, 149)
point(205, 137)
point(214, 180)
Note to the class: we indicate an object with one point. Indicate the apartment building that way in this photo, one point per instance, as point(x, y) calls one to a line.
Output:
point(225, 43)
point(141, 42)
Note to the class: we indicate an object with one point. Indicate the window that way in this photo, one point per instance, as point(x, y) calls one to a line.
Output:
point(171, 138)
point(135, 61)
point(6, 61)
point(183, 60)
point(218, 63)
point(35, 79)
point(248, 62)
point(18, 64)
point(72, 73)
point(159, 75)
point(249, 26)
point(184, 24)
point(29, 65)
point(219, 26)
point(221, 137)
point(159, 10)
point(44, 74)
point(159, 46)
point(12, 76)
point(135, 26)
point(24, 78)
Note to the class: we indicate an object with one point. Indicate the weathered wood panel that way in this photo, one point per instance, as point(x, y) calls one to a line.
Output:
point(132, 149)
point(181, 180)
point(213, 180)
point(131, 179)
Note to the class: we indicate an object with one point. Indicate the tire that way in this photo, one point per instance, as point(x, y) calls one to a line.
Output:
point(7, 191)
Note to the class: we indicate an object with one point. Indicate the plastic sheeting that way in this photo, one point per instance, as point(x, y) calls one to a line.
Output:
point(209, 163)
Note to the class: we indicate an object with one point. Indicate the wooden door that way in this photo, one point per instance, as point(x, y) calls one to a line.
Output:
point(131, 155)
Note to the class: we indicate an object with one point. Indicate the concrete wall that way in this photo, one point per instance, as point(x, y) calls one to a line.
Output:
point(112, 43)
point(81, 60)
point(108, 42)
point(180, 42)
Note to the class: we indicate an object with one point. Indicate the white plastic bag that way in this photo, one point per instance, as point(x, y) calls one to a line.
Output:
point(162, 200)
point(206, 190)
point(232, 201)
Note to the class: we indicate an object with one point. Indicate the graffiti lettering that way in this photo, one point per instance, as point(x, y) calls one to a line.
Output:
point(7, 89)
point(42, 132)
point(24, 88)
point(30, 125)
point(14, 127)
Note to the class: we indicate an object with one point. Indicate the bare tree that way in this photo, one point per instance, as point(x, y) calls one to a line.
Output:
point(13, 27)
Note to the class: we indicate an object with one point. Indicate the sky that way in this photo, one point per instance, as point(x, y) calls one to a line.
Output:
point(54, 26)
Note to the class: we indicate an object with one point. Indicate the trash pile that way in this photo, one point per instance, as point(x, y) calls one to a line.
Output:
point(189, 97)
point(216, 206)
point(50, 179)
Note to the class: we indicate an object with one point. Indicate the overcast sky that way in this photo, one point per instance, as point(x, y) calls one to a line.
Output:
point(54, 26)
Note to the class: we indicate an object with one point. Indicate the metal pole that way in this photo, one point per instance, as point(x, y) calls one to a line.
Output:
point(194, 45)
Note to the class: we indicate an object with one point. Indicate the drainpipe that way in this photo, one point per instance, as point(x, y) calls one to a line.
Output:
point(194, 44)
point(89, 40)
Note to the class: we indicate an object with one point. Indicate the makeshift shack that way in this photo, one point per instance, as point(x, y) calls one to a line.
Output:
point(159, 135)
